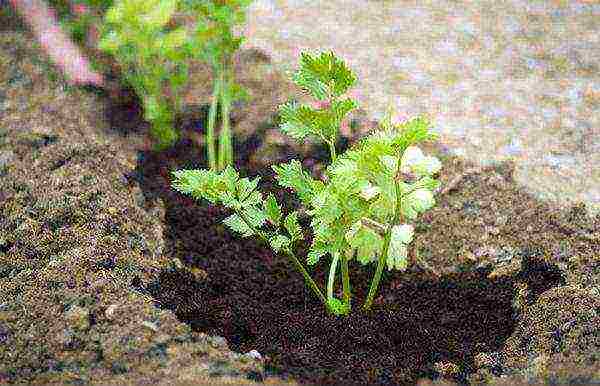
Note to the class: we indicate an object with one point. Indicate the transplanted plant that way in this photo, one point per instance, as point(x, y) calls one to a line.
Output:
point(360, 210)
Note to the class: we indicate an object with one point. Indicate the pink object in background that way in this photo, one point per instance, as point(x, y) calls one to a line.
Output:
point(61, 50)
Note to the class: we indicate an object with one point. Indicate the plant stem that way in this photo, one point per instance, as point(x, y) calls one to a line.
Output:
point(225, 150)
point(386, 246)
point(346, 281)
point(379, 270)
point(311, 283)
point(332, 151)
point(210, 131)
point(332, 270)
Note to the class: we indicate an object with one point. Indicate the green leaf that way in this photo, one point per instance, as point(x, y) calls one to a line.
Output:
point(235, 223)
point(291, 175)
point(230, 200)
point(198, 183)
point(324, 74)
point(246, 189)
point(419, 201)
point(160, 13)
point(114, 14)
point(230, 178)
point(428, 183)
point(273, 210)
point(179, 78)
point(279, 242)
point(292, 226)
point(413, 160)
point(312, 84)
point(338, 307)
point(174, 39)
point(315, 254)
point(298, 120)
point(326, 207)
point(367, 243)
point(256, 216)
point(411, 132)
point(341, 108)
point(239, 93)
point(110, 42)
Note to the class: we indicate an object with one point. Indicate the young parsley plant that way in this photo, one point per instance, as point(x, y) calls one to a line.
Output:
point(360, 210)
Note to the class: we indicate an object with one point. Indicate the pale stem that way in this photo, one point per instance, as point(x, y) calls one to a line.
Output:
point(346, 281)
point(210, 130)
point(373, 225)
point(225, 149)
point(332, 269)
point(386, 245)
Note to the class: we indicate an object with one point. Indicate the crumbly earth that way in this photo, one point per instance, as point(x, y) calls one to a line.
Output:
point(78, 238)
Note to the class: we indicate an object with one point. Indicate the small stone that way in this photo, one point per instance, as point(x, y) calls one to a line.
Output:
point(501, 221)
point(110, 311)
point(483, 359)
point(485, 251)
point(493, 230)
point(446, 368)
point(163, 339)
point(506, 269)
point(497, 182)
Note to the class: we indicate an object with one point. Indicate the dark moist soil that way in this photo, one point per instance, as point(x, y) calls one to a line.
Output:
point(420, 327)
point(109, 276)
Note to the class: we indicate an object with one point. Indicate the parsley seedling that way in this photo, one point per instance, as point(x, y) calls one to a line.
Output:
point(358, 211)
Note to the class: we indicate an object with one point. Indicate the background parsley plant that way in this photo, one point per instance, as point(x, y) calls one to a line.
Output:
point(153, 56)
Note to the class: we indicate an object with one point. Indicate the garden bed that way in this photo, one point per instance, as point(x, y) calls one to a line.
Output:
point(109, 275)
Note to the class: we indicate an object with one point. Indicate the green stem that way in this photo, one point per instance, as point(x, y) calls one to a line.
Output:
point(210, 131)
point(225, 149)
point(332, 151)
point(331, 141)
point(379, 270)
point(386, 245)
point(309, 281)
point(346, 281)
